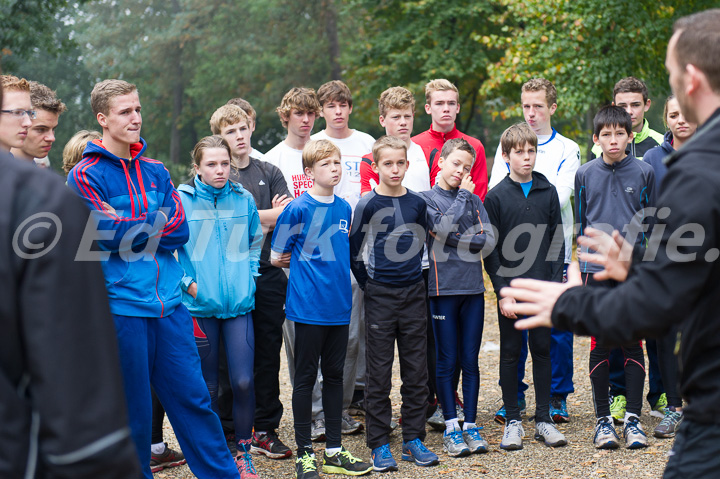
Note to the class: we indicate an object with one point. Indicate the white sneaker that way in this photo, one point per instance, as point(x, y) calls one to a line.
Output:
point(635, 437)
point(549, 434)
point(605, 436)
point(513, 436)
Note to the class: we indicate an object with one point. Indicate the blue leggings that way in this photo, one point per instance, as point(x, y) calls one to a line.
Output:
point(239, 342)
point(458, 325)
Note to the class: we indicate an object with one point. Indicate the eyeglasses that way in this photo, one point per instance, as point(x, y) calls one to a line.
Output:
point(20, 113)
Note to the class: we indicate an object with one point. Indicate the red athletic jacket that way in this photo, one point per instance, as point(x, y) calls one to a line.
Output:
point(432, 141)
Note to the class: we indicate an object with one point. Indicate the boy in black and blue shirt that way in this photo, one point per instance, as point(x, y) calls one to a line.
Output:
point(392, 221)
point(525, 210)
point(311, 238)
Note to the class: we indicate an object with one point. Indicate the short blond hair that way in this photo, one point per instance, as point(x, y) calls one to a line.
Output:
point(396, 98)
point(302, 99)
point(387, 142)
point(104, 91)
point(74, 148)
point(540, 84)
point(518, 134)
point(246, 106)
point(317, 150)
point(439, 84)
point(227, 115)
point(13, 83)
point(43, 98)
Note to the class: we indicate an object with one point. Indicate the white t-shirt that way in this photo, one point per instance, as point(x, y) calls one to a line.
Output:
point(352, 148)
point(255, 154)
point(289, 160)
point(558, 158)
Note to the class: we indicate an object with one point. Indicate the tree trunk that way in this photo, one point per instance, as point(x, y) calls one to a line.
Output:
point(332, 35)
point(178, 92)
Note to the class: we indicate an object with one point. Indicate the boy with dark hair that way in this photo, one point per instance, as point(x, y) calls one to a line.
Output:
point(142, 221)
point(248, 108)
point(392, 220)
point(558, 159)
point(442, 103)
point(524, 198)
point(611, 193)
point(41, 135)
point(631, 94)
point(336, 106)
point(268, 187)
point(311, 238)
point(16, 113)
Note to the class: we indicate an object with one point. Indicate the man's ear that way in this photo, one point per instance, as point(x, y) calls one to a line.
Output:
point(647, 104)
point(309, 173)
point(552, 109)
point(596, 140)
point(427, 108)
point(505, 157)
point(101, 119)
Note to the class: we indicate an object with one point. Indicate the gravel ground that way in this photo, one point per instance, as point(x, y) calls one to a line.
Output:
point(579, 459)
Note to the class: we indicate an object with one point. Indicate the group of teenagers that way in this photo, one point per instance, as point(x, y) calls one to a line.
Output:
point(362, 246)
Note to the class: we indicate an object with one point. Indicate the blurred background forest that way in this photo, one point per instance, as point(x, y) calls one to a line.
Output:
point(188, 57)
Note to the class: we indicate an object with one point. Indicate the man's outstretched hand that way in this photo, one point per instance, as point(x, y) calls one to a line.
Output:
point(536, 299)
point(612, 253)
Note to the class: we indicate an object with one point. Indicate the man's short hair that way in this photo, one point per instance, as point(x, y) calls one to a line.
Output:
point(457, 144)
point(439, 84)
point(334, 90)
point(631, 85)
point(13, 83)
point(316, 150)
point(396, 98)
point(227, 115)
point(698, 44)
point(246, 106)
point(74, 148)
point(518, 135)
point(302, 99)
point(105, 91)
point(387, 142)
point(43, 98)
point(611, 116)
point(539, 84)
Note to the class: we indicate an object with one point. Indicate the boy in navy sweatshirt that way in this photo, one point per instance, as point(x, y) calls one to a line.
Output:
point(392, 220)
point(612, 192)
point(525, 210)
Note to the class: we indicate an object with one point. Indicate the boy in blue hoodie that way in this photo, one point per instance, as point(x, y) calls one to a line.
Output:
point(140, 222)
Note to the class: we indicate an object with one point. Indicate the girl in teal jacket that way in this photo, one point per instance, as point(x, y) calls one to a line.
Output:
point(221, 262)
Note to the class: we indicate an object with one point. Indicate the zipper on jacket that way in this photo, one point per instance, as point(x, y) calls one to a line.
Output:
point(216, 202)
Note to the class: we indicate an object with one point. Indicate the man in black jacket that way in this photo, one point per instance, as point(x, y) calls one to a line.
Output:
point(681, 284)
point(62, 407)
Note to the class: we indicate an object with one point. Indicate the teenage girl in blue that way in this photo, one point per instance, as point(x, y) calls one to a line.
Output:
point(459, 231)
point(221, 261)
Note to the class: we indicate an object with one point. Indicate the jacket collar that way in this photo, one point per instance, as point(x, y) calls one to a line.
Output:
point(440, 135)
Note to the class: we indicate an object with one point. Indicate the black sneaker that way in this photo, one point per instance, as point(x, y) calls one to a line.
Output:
point(306, 466)
point(344, 463)
point(270, 445)
point(231, 443)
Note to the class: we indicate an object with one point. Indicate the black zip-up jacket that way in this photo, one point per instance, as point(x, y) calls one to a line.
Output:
point(681, 285)
point(531, 227)
point(62, 405)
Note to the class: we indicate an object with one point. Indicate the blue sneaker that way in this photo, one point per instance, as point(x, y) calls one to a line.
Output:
point(382, 459)
point(416, 452)
point(558, 410)
point(500, 415)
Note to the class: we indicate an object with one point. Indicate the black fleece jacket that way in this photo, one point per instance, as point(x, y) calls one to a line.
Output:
point(62, 406)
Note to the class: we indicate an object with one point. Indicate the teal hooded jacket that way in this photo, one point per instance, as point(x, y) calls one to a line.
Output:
point(223, 253)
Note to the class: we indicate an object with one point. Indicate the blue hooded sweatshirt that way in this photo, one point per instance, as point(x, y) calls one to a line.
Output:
point(137, 240)
point(656, 156)
point(223, 253)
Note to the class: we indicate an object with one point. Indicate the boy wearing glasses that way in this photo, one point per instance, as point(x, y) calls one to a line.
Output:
point(16, 114)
